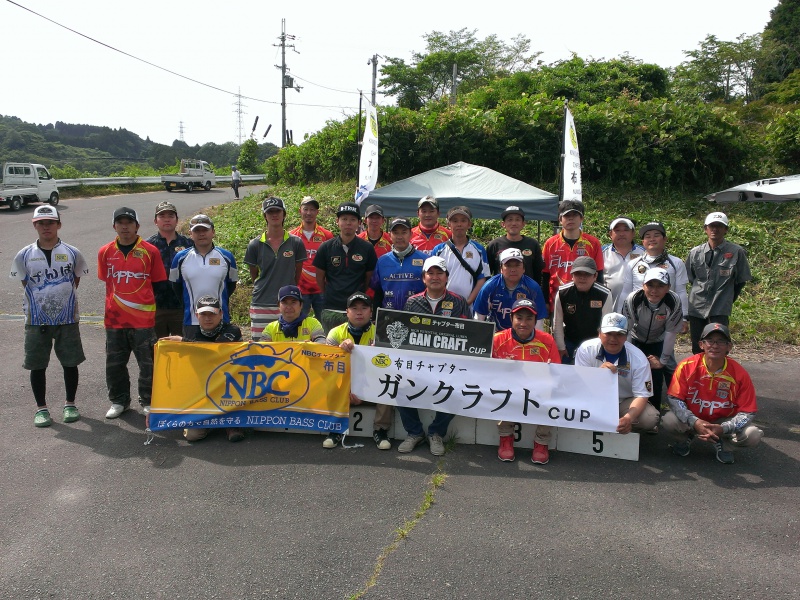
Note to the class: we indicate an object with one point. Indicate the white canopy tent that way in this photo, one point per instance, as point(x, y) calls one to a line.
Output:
point(777, 189)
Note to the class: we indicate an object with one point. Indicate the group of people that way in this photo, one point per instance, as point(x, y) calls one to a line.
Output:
point(618, 306)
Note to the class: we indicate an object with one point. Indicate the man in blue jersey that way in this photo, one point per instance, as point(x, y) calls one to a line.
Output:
point(398, 274)
point(204, 270)
point(498, 295)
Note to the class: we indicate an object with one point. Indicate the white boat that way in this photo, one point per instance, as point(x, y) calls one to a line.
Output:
point(776, 189)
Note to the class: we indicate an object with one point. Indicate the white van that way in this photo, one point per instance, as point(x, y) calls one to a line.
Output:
point(27, 182)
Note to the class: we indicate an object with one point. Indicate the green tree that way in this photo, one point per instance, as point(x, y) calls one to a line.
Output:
point(429, 77)
point(248, 157)
point(781, 53)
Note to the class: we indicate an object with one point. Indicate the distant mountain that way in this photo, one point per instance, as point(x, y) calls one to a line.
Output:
point(103, 150)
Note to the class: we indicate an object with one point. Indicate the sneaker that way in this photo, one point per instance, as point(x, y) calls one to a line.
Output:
point(653, 431)
point(71, 414)
point(505, 451)
point(436, 443)
point(541, 454)
point(381, 437)
point(681, 448)
point(195, 434)
point(116, 410)
point(332, 440)
point(411, 442)
point(235, 434)
point(723, 456)
point(42, 418)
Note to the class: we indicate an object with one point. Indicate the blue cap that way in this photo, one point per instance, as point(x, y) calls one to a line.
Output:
point(290, 291)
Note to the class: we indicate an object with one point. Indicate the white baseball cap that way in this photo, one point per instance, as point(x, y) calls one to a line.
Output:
point(614, 323)
point(656, 274)
point(510, 254)
point(434, 261)
point(717, 217)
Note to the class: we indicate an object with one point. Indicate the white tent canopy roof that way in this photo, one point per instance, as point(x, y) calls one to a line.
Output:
point(486, 192)
point(777, 189)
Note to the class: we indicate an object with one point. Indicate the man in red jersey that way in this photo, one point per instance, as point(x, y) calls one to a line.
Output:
point(712, 398)
point(131, 268)
point(428, 234)
point(563, 248)
point(522, 341)
point(312, 235)
point(374, 233)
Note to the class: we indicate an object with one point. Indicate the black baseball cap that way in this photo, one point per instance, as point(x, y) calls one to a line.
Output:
point(652, 226)
point(568, 206)
point(348, 208)
point(272, 202)
point(428, 200)
point(719, 328)
point(125, 212)
point(207, 304)
point(373, 209)
point(512, 210)
point(359, 297)
point(399, 221)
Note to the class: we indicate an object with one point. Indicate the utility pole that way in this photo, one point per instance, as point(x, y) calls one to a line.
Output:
point(239, 114)
point(180, 131)
point(374, 62)
point(286, 80)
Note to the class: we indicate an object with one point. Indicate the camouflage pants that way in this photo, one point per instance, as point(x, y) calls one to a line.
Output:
point(119, 345)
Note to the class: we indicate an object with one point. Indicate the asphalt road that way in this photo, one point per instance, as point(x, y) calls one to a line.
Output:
point(89, 511)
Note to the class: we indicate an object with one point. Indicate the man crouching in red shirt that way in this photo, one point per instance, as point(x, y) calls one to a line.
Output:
point(712, 399)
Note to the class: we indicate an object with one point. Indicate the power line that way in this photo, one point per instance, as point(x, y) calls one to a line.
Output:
point(324, 86)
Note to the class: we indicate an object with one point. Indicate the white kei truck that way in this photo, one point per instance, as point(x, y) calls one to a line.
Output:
point(27, 182)
point(193, 173)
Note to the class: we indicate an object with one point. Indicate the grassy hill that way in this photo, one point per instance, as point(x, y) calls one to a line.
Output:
point(768, 310)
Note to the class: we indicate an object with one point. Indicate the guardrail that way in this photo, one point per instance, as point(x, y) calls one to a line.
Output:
point(65, 183)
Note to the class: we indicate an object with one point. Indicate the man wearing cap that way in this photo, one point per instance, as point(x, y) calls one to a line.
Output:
point(611, 351)
point(578, 308)
point(359, 330)
point(213, 328)
point(718, 271)
point(50, 271)
point(561, 250)
point(654, 240)
point(292, 325)
point(374, 233)
point(344, 265)
point(428, 234)
point(131, 269)
point(712, 398)
point(655, 319)
point(398, 275)
point(236, 181)
point(203, 270)
point(522, 341)
point(435, 300)
point(513, 220)
point(467, 263)
point(312, 235)
point(497, 296)
point(619, 253)
point(275, 259)
point(169, 303)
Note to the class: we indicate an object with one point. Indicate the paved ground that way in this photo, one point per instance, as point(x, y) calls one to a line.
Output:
point(91, 512)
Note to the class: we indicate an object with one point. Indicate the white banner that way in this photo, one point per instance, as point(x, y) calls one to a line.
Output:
point(368, 169)
point(485, 388)
point(571, 171)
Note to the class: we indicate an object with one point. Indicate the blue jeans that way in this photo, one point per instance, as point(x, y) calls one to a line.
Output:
point(315, 301)
point(413, 425)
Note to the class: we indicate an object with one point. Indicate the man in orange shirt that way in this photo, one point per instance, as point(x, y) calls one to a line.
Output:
point(374, 233)
point(428, 234)
point(312, 235)
point(522, 341)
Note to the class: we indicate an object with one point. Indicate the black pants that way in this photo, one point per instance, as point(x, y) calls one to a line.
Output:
point(659, 375)
point(696, 325)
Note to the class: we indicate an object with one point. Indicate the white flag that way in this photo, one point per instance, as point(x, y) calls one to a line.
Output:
point(368, 171)
point(571, 171)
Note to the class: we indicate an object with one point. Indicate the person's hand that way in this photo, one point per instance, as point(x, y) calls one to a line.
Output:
point(654, 362)
point(172, 338)
point(355, 400)
point(563, 352)
point(609, 366)
point(685, 328)
point(706, 431)
point(625, 424)
point(347, 345)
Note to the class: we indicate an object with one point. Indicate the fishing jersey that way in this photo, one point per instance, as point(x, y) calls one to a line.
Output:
point(459, 280)
point(634, 379)
point(531, 255)
point(647, 324)
point(310, 330)
point(449, 305)
point(199, 276)
point(345, 270)
point(226, 333)
point(495, 300)
point(541, 348)
point(714, 275)
point(714, 396)
point(130, 301)
point(558, 257)
point(577, 315)
point(426, 240)
point(50, 297)
point(166, 297)
point(340, 333)
point(275, 269)
point(382, 246)
point(614, 265)
point(396, 279)
point(308, 277)
point(633, 278)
